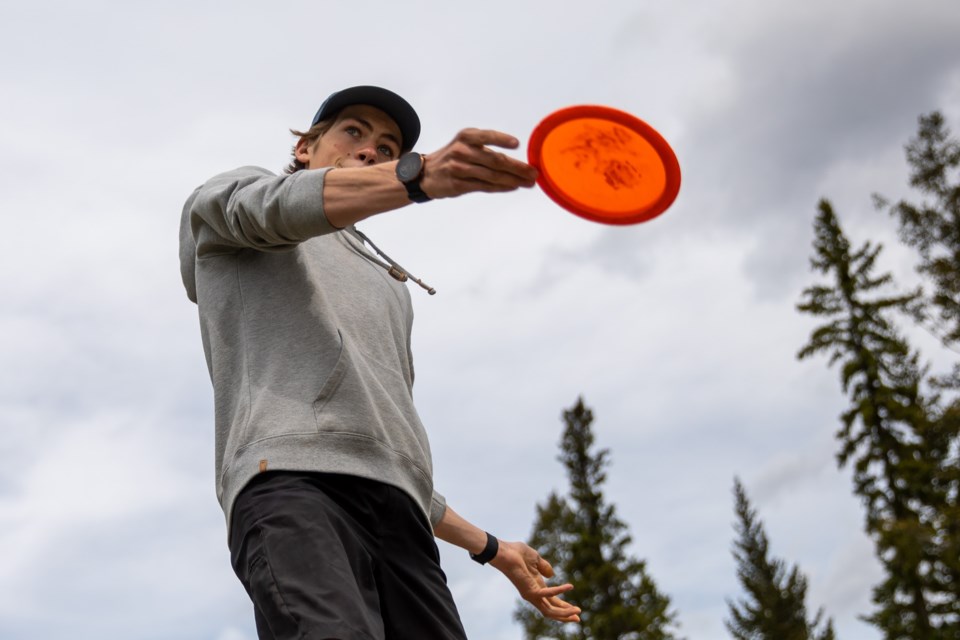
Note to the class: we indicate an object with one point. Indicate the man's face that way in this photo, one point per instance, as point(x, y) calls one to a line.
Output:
point(361, 135)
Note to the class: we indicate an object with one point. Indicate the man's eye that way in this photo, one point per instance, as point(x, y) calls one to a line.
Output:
point(387, 151)
point(353, 131)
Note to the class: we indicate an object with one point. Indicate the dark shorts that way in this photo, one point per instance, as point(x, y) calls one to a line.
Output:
point(327, 556)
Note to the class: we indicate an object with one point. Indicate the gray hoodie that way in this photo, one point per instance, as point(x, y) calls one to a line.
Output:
point(306, 337)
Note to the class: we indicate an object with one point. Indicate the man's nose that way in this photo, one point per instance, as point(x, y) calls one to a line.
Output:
point(367, 154)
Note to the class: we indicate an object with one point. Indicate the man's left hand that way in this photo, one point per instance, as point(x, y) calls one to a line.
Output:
point(528, 572)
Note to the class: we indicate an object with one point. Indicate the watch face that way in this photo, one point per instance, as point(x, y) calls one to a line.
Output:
point(408, 167)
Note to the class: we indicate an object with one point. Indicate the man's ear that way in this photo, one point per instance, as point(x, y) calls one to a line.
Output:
point(302, 150)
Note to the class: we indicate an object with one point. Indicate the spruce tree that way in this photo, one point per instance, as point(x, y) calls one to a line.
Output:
point(932, 227)
point(587, 544)
point(775, 604)
point(902, 454)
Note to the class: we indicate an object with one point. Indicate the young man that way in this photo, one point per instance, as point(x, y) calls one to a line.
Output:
point(323, 467)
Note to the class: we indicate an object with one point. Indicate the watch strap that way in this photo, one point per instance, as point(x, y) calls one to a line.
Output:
point(414, 191)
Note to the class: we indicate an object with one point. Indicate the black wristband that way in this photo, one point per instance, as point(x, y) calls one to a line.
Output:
point(489, 552)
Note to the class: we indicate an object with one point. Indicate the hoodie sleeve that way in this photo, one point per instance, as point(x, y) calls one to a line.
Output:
point(250, 208)
point(253, 208)
point(438, 506)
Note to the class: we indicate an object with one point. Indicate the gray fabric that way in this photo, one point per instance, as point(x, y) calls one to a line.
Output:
point(307, 341)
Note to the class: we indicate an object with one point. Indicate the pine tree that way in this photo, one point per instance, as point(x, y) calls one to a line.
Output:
point(933, 227)
point(900, 452)
point(775, 605)
point(587, 544)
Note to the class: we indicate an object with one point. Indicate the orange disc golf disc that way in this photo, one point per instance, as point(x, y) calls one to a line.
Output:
point(604, 164)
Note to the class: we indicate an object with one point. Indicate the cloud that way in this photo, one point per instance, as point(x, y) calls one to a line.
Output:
point(680, 333)
point(104, 509)
point(799, 100)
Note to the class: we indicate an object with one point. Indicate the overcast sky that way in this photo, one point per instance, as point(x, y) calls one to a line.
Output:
point(680, 333)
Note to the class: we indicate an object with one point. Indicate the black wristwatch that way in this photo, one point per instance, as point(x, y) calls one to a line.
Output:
point(410, 172)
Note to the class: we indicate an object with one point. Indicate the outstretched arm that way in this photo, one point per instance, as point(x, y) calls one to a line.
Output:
point(467, 164)
point(522, 565)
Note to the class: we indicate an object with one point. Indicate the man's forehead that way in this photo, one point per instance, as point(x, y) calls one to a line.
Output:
point(375, 117)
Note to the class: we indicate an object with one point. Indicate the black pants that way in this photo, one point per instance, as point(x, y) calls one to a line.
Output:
point(327, 556)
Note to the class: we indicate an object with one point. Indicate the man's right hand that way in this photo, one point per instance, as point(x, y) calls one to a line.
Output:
point(468, 164)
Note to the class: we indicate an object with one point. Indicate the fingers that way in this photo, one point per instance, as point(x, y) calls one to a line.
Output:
point(480, 179)
point(483, 137)
point(558, 609)
point(549, 592)
point(470, 148)
point(500, 162)
point(526, 569)
point(546, 601)
point(469, 164)
point(561, 617)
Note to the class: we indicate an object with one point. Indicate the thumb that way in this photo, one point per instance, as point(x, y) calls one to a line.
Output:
point(544, 568)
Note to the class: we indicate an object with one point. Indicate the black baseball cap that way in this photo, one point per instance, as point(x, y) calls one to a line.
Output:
point(387, 101)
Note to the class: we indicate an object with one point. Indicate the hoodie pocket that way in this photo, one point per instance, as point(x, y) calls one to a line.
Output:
point(333, 381)
point(365, 399)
